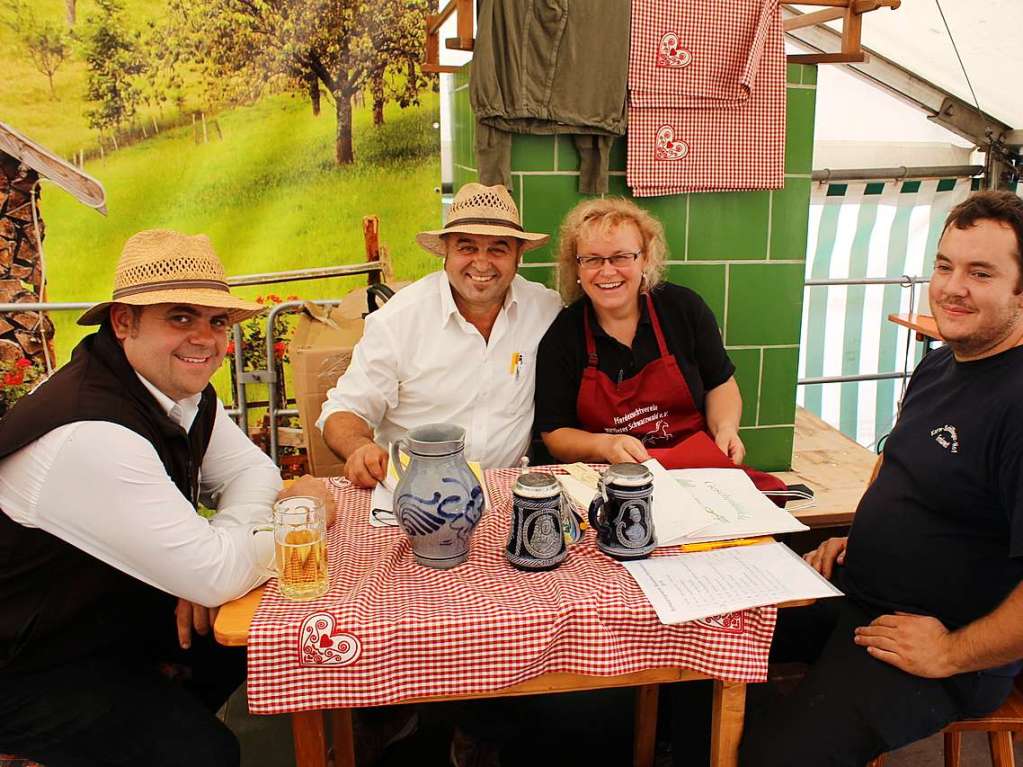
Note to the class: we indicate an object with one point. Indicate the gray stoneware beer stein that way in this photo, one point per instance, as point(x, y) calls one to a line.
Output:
point(536, 540)
point(438, 501)
point(622, 512)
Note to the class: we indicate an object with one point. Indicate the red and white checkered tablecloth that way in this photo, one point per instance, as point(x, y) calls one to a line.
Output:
point(389, 629)
point(706, 97)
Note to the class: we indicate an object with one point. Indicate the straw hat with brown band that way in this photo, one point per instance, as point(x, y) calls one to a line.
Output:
point(159, 266)
point(479, 209)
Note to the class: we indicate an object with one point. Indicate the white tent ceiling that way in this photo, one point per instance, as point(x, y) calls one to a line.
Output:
point(987, 33)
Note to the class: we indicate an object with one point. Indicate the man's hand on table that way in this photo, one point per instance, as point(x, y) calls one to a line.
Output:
point(308, 485)
point(917, 644)
point(367, 465)
point(824, 558)
point(192, 616)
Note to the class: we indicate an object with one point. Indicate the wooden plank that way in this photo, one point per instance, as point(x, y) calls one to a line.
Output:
point(231, 628)
point(812, 19)
point(827, 58)
point(923, 324)
point(343, 737)
point(75, 181)
point(727, 717)
point(310, 739)
point(458, 44)
point(852, 31)
point(831, 3)
point(644, 740)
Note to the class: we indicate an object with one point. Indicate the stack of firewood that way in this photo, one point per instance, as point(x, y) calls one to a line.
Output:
point(22, 334)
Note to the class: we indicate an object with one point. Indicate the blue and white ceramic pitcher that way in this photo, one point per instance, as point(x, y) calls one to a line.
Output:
point(438, 500)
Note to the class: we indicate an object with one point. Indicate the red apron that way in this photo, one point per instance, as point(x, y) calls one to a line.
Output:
point(656, 407)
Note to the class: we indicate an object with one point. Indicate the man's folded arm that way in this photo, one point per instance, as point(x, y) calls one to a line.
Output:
point(237, 478)
point(119, 505)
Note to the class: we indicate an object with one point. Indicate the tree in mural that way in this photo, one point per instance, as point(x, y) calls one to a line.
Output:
point(245, 47)
point(114, 62)
point(46, 43)
point(396, 32)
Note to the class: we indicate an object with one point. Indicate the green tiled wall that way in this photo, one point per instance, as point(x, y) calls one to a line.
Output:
point(742, 251)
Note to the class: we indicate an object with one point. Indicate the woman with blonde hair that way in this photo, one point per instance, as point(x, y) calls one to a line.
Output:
point(634, 365)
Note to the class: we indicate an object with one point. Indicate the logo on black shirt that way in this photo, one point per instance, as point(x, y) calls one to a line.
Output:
point(947, 437)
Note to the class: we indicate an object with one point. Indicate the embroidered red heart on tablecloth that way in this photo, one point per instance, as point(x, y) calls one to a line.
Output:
point(729, 623)
point(671, 54)
point(667, 147)
point(321, 643)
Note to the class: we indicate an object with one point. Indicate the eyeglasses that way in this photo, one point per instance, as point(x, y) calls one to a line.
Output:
point(596, 262)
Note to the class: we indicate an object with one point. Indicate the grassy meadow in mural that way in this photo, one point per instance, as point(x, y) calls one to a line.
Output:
point(263, 185)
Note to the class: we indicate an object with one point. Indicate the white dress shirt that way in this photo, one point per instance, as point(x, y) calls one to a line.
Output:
point(102, 488)
point(420, 361)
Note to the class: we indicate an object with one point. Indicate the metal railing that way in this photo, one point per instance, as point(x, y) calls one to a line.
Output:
point(268, 375)
point(905, 281)
point(242, 377)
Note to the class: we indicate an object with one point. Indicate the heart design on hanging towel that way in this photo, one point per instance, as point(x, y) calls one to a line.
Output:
point(322, 643)
point(667, 147)
point(729, 623)
point(671, 54)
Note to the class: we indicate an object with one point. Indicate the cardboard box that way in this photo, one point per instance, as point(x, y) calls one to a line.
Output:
point(320, 351)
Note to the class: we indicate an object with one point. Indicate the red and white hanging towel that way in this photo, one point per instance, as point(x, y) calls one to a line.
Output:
point(389, 630)
point(706, 96)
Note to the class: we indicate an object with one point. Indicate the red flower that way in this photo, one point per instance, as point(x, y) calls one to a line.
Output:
point(23, 363)
point(230, 347)
point(280, 349)
point(259, 299)
point(274, 297)
point(293, 298)
point(14, 378)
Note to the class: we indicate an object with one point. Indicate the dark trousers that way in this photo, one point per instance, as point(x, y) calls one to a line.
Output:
point(850, 707)
point(117, 710)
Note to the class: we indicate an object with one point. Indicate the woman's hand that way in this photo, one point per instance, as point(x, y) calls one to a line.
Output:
point(621, 448)
point(728, 442)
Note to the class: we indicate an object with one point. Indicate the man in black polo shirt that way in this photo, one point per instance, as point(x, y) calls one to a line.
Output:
point(931, 630)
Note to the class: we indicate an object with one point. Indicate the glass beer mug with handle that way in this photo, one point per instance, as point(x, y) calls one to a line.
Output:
point(300, 547)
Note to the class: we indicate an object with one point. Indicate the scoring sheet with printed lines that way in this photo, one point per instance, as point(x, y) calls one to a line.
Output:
point(701, 584)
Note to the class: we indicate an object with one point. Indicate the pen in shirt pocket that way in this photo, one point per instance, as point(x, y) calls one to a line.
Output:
point(516, 364)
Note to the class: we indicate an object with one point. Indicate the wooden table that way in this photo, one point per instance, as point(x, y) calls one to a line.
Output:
point(308, 727)
point(834, 466)
point(831, 464)
point(924, 325)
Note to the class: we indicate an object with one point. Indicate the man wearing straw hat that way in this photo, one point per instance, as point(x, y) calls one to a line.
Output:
point(457, 346)
point(102, 553)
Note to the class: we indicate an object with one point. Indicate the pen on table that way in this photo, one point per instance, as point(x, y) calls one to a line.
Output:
point(710, 545)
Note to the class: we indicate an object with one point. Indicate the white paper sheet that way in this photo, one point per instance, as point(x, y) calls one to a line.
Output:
point(677, 513)
point(690, 586)
point(735, 507)
point(580, 493)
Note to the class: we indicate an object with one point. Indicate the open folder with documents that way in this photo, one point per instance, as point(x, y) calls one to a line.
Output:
point(735, 507)
point(697, 505)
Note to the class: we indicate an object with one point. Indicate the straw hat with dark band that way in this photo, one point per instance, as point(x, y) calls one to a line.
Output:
point(159, 266)
point(479, 209)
